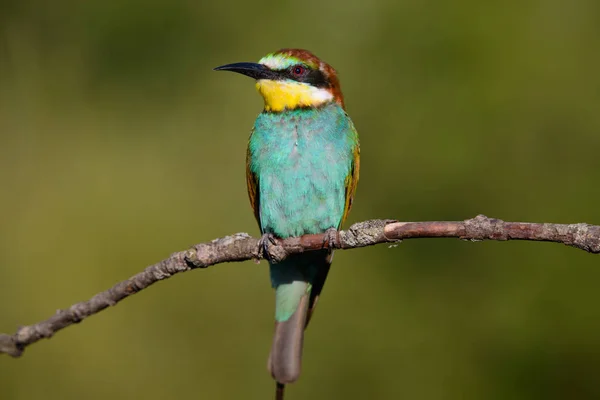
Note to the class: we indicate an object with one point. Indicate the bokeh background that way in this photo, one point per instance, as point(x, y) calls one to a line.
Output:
point(119, 145)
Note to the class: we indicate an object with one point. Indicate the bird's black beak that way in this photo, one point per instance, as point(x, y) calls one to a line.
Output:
point(253, 70)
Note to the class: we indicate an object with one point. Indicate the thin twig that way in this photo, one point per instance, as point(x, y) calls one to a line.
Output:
point(242, 247)
point(279, 391)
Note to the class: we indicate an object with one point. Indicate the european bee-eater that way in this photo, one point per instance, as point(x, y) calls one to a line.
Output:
point(302, 169)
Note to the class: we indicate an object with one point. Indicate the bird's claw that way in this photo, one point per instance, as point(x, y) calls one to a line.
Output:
point(266, 240)
point(331, 238)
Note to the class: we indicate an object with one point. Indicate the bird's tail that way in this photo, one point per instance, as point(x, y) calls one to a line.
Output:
point(286, 352)
point(298, 281)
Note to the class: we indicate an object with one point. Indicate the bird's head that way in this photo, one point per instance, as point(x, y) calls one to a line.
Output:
point(290, 79)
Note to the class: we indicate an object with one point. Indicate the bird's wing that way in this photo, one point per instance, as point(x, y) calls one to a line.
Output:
point(252, 184)
point(351, 181)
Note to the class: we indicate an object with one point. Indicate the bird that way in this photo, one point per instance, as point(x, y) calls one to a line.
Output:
point(302, 169)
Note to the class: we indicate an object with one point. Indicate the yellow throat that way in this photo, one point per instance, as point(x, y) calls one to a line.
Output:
point(288, 95)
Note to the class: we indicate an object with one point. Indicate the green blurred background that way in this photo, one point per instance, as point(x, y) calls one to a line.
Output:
point(120, 145)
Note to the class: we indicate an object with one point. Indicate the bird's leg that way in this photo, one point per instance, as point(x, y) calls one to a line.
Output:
point(264, 242)
point(331, 239)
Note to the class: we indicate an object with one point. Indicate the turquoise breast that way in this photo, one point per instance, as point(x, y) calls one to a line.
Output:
point(301, 159)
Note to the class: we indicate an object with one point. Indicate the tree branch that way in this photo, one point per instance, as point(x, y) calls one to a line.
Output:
point(242, 247)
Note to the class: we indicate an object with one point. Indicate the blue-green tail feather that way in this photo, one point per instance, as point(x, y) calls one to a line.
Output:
point(298, 281)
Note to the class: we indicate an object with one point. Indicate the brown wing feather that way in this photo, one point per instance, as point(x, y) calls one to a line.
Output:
point(252, 184)
point(352, 182)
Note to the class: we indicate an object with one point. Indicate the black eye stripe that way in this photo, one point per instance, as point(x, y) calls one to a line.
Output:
point(313, 77)
point(316, 78)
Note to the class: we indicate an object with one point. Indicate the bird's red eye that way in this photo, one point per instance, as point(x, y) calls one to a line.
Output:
point(298, 70)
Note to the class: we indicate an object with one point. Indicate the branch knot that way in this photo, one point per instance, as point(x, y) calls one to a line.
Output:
point(482, 227)
point(586, 237)
point(365, 233)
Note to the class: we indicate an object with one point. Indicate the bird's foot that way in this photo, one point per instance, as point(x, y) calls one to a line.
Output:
point(331, 239)
point(268, 247)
